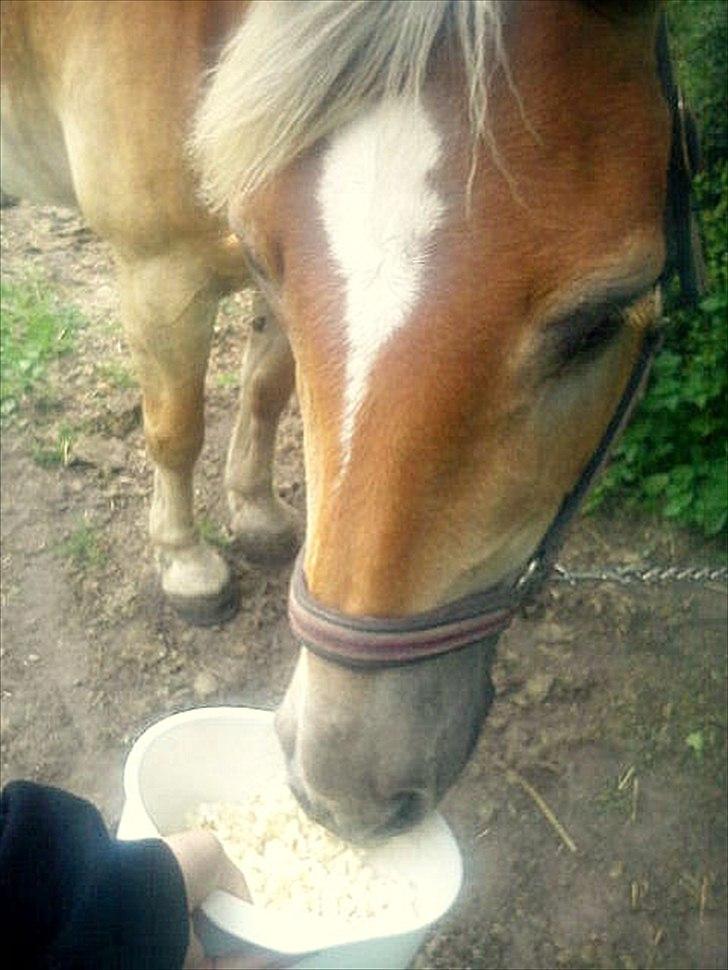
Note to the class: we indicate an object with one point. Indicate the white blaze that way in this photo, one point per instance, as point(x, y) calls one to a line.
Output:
point(378, 210)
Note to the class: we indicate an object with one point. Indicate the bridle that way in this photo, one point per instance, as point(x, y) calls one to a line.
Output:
point(363, 641)
point(373, 642)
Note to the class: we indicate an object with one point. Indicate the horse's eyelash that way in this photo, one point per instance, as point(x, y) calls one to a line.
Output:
point(581, 340)
point(576, 341)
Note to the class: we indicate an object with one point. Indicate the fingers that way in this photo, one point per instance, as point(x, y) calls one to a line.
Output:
point(205, 867)
point(200, 857)
point(231, 880)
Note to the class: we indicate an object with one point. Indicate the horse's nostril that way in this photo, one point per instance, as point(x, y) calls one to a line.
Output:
point(408, 810)
point(315, 812)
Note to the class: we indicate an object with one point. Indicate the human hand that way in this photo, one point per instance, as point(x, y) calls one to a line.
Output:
point(206, 867)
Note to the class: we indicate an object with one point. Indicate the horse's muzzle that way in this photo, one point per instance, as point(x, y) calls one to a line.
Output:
point(380, 819)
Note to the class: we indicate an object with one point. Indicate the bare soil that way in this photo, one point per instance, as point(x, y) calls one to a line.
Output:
point(611, 710)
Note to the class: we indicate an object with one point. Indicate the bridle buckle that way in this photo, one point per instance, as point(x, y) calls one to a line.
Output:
point(532, 576)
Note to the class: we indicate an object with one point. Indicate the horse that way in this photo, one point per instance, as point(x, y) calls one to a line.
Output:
point(453, 214)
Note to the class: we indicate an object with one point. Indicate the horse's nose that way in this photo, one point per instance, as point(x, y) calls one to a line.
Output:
point(361, 819)
point(370, 802)
point(404, 810)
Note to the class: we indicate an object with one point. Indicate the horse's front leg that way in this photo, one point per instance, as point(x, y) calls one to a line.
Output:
point(266, 528)
point(169, 305)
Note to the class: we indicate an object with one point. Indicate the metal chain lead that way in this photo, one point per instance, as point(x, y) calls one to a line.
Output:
point(646, 574)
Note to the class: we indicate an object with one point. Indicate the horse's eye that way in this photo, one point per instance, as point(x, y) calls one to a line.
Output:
point(586, 340)
point(582, 340)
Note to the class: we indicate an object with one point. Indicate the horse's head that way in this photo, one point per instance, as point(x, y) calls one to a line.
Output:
point(465, 314)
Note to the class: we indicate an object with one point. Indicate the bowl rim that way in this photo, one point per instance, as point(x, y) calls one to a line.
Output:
point(159, 728)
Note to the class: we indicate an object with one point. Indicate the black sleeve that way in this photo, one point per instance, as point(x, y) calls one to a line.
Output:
point(72, 898)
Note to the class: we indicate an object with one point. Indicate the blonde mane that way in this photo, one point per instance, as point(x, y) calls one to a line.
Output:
point(297, 70)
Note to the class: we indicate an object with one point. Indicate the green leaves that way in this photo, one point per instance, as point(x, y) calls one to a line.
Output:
point(696, 741)
point(672, 459)
point(698, 41)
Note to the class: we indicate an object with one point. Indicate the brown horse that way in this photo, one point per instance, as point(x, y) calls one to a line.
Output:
point(453, 213)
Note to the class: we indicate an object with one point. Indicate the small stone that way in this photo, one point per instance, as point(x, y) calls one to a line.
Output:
point(486, 811)
point(499, 718)
point(538, 687)
point(534, 691)
point(204, 684)
point(588, 955)
point(239, 648)
point(500, 934)
point(554, 633)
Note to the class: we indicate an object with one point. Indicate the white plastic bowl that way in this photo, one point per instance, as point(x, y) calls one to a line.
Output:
point(226, 753)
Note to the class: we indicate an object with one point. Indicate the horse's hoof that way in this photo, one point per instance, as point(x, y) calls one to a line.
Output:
point(267, 548)
point(265, 533)
point(207, 610)
point(196, 582)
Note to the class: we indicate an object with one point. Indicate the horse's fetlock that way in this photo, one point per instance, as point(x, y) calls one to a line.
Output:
point(166, 537)
point(267, 397)
point(176, 452)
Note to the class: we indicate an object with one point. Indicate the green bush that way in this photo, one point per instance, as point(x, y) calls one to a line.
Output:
point(698, 33)
point(672, 459)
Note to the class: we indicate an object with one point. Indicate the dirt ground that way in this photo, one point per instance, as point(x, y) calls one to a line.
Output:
point(611, 706)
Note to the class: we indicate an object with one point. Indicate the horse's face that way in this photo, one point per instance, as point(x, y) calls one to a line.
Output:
point(457, 365)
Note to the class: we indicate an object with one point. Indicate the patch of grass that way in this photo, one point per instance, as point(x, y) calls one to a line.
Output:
point(704, 741)
point(611, 798)
point(35, 328)
point(116, 374)
point(58, 453)
point(83, 548)
point(212, 533)
point(683, 720)
point(227, 379)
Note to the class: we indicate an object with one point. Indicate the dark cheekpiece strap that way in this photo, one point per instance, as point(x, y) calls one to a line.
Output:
point(631, 396)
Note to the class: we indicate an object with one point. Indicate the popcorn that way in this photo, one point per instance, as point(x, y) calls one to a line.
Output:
point(292, 863)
